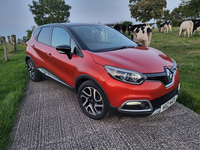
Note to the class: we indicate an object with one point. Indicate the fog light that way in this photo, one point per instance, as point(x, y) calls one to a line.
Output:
point(136, 106)
point(179, 86)
point(134, 103)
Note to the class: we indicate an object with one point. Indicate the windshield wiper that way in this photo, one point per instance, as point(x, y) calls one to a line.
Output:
point(122, 47)
point(116, 48)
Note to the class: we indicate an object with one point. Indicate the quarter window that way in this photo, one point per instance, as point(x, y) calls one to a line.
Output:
point(36, 32)
point(73, 46)
point(60, 37)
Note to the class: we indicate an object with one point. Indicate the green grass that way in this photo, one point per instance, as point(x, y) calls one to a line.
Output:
point(13, 81)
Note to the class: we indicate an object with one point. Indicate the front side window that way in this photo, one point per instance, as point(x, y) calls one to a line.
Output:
point(60, 37)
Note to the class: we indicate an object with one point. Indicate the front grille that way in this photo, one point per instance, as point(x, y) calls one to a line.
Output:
point(162, 77)
point(156, 103)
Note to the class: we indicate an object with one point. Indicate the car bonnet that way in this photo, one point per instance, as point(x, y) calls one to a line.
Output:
point(141, 59)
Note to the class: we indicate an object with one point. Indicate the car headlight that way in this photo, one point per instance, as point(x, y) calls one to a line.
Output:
point(124, 75)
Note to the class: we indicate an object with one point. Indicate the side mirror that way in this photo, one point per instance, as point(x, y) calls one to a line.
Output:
point(64, 49)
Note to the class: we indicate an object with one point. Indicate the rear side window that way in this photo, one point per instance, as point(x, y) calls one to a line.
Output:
point(45, 35)
point(36, 32)
point(60, 37)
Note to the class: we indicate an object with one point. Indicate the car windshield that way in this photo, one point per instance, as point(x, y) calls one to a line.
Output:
point(102, 38)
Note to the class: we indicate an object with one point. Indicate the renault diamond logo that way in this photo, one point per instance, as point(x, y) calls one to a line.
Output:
point(169, 75)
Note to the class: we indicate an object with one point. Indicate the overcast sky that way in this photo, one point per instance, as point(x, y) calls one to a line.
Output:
point(15, 17)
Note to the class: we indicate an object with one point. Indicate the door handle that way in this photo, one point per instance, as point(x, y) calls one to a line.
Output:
point(49, 54)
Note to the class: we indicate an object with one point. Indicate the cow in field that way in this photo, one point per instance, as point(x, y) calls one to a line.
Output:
point(129, 28)
point(166, 26)
point(132, 27)
point(142, 33)
point(117, 27)
point(196, 25)
point(186, 26)
point(123, 28)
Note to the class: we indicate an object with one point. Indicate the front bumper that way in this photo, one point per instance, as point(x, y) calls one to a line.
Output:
point(119, 92)
point(153, 109)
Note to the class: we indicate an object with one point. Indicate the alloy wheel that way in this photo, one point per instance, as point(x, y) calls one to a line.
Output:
point(92, 101)
point(31, 70)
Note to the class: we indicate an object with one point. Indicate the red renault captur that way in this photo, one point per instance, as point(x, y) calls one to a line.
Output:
point(109, 72)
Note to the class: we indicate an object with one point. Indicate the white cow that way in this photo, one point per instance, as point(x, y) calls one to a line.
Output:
point(186, 26)
point(142, 34)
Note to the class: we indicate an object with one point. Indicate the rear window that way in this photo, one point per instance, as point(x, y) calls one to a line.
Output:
point(45, 35)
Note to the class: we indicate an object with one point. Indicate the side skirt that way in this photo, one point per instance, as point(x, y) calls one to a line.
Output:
point(47, 73)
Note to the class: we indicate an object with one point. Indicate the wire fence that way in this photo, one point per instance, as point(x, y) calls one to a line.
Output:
point(11, 40)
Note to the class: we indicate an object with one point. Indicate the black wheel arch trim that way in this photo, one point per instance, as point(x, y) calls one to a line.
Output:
point(28, 57)
point(85, 77)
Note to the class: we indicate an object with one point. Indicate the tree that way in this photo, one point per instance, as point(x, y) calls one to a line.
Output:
point(50, 11)
point(190, 9)
point(176, 14)
point(19, 41)
point(145, 10)
point(24, 39)
point(126, 23)
point(29, 32)
point(194, 6)
point(166, 15)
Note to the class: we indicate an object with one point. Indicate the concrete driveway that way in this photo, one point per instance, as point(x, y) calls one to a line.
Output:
point(50, 118)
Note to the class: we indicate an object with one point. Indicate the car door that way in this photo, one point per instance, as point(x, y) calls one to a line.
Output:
point(43, 48)
point(61, 65)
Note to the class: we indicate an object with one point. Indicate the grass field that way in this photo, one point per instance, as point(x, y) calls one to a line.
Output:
point(14, 77)
point(186, 52)
point(13, 81)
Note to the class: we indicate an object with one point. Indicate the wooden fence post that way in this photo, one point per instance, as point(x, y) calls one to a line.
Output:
point(5, 50)
point(14, 43)
point(9, 39)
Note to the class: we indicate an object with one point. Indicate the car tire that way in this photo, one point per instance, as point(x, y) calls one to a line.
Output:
point(32, 71)
point(92, 100)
